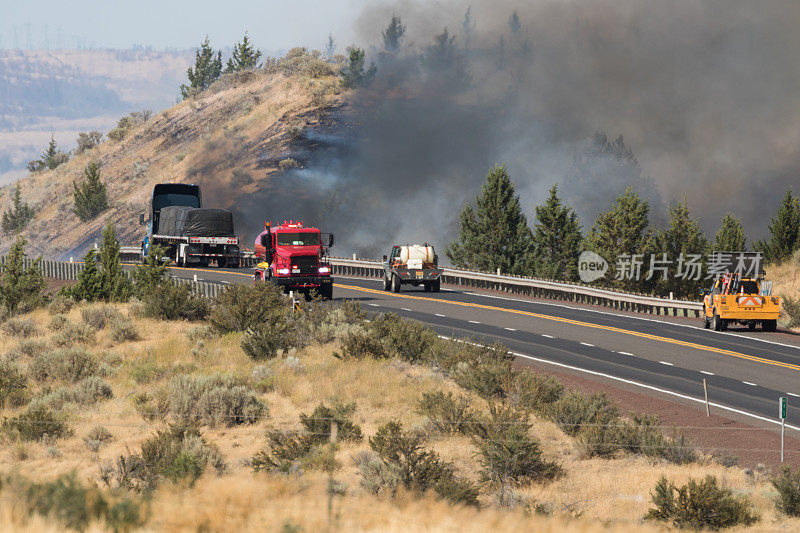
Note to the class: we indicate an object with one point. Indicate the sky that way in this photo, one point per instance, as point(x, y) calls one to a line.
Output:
point(182, 24)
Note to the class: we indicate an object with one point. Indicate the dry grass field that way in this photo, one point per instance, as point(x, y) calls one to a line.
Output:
point(593, 494)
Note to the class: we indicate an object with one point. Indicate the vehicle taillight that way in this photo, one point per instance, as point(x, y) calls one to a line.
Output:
point(324, 270)
point(722, 299)
point(776, 300)
point(283, 271)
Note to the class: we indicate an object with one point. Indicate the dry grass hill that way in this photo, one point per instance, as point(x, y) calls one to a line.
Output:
point(237, 138)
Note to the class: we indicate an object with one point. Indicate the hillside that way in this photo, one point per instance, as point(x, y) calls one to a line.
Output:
point(116, 380)
point(239, 141)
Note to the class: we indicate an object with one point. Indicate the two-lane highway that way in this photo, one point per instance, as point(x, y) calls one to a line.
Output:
point(745, 371)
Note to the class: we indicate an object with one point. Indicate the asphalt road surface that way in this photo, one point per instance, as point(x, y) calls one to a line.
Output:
point(745, 371)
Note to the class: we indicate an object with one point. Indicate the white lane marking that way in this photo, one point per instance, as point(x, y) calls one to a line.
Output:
point(706, 373)
point(437, 314)
point(510, 329)
point(642, 385)
point(666, 363)
point(625, 353)
point(548, 336)
point(405, 309)
point(608, 313)
point(748, 383)
point(373, 305)
point(793, 394)
point(474, 322)
point(587, 344)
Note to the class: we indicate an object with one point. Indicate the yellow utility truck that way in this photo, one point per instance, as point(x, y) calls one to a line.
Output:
point(741, 295)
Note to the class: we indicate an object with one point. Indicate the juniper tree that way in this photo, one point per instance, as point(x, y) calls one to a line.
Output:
point(147, 277)
point(115, 285)
point(52, 157)
point(353, 75)
point(90, 197)
point(622, 230)
point(783, 229)
point(556, 239)
point(730, 237)
point(330, 48)
point(90, 282)
point(207, 69)
point(494, 234)
point(513, 23)
point(468, 26)
point(20, 288)
point(245, 56)
point(682, 239)
point(393, 34)
point(16, 217)
point(442, 57)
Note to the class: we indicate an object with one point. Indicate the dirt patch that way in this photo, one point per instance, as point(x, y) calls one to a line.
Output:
point(747, 444)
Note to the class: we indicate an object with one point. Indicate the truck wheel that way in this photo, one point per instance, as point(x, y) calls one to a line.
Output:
point(386, 283)
point(706, 321)
point(437, 285)
point(769, 325)
point(751, 326)
point(716, 322)
point(395, 283)
point(428, 286)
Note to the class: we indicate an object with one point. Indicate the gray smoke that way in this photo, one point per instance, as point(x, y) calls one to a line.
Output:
point(706, 95)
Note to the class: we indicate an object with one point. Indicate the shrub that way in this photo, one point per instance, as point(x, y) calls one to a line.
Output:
point(20, 327)
point(241, 307)
point(420, 469)
point(36, 423)
point(643, 435)
point(404, 339)
point(58, 322)
point(448, 414)
point(60, 305)
point(124, 330)
point(13, 385)
point(792, 308)
point(148, 372)
point(287, 164)
point(699, 504)
point(75, 506)
point(152, 407)
point(128, 123)
point(86, 392)
point(65, 365)
point(284, 450)
point(508, 454)
point(27, 348)
point(575, 410)
point(97, 437)
point(151, 275)
point(100, 316)
point(271, 338)
point(788, 487)
point(360, 344)
point(21, 287)
point(202, 332)
point(213, 400)
point(177, 453)
point(72, 334)
point(318, 424)
point(87, 141)
point(377, 477)
point(535, 393)
point(174, 302)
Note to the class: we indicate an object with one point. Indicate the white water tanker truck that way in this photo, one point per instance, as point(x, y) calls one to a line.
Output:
point(412, 264)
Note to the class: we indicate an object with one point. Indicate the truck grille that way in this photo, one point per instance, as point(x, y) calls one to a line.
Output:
point(306, 264)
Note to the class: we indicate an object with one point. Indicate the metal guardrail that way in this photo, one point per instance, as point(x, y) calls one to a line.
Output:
point(537, 288)
point(67, 270)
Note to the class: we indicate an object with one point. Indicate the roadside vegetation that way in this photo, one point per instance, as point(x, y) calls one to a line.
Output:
point(115, 417)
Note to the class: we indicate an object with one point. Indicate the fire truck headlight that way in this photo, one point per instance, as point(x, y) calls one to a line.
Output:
point(283, 271)
point(324, 270)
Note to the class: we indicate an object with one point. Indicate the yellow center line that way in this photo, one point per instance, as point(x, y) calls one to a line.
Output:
point(581, 323)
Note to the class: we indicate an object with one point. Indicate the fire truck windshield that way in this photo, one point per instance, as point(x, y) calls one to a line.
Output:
point(298, 239)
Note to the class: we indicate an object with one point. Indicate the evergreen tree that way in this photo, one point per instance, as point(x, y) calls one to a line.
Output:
point(494, 234)
point(442, 57)
point(90, 197)
point(556, 240)
point(147, 277)
point(21, 288)
point(90, 283)
point(468, 26)
point(513, 23)
point(114, 284)
point(730, 237)
point(207, 69)
point(330, 48)
point(18, 215)
point(682, 238)
point(245, 56)
point(50, 159)
point(783, 229)
point(393, 34)
point(622, 230)
point(353, 75)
